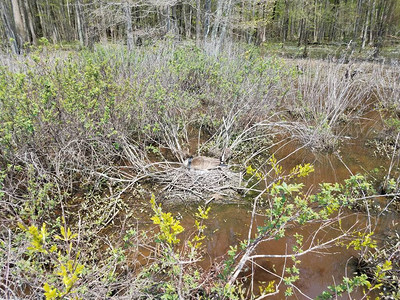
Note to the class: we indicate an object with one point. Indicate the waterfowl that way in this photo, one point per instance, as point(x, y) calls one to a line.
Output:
point(202, 163)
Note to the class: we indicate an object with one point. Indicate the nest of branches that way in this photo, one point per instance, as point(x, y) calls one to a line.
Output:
point(181, 185)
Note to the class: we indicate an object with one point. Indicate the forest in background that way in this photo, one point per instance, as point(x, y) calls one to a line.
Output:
point(357, 23)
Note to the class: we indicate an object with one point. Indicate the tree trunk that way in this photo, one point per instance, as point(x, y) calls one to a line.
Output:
point(316, 23)
point(371, 22)
point(20, 32)
point(357, 23)
point(301, 32)
point(207, 10)
point(285, 27)
point(80, 23)
point(70, 23)
point(30, 22)
point(174, 20)
point(305, 37)
point(103, 27)
point(42, 23)
point(366, 26)
point(129, 30)
point(262, 36)
point(167, 13)
point(250, 31)
point(8, 28)
point(187, 19)
point(385, 9)
point(222, 15)
point(49, 22)
point(217, 20)
point(198, 22)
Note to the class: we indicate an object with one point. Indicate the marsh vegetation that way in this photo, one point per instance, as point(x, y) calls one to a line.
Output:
point(88, 137)
point(185, 150)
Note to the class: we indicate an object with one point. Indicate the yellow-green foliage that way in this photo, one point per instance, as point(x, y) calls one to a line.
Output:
point(169, 226)
point(380, 274)
point(38, 238)
point(363, 240)
point(302, 170)
point(253, 172)
point(275, 166)
point(65, 263)
point(201, 215)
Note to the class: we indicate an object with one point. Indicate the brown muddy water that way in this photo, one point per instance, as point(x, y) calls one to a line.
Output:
point(317, 270)
point(229, 223)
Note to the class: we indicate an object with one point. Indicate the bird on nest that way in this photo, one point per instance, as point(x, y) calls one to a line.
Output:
point(203, 163)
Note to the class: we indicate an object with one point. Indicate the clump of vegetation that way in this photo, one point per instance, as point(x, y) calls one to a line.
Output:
point(387, 86)
point(386, 90)
point(323, 101)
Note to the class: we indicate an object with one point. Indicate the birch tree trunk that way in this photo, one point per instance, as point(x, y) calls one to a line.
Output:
point(168, 17)
point(223, 14)
point(316, 23)
point(372, 18)
point(78, 22)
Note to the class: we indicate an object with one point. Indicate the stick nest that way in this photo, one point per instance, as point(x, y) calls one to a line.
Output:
point(181, 185)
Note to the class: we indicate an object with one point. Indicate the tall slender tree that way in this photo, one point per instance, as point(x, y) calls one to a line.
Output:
point(20, 30)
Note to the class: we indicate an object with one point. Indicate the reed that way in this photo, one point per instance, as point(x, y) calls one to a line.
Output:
point(324, 100)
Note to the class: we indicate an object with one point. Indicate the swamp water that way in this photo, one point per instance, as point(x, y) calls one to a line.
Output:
point(229, 223)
